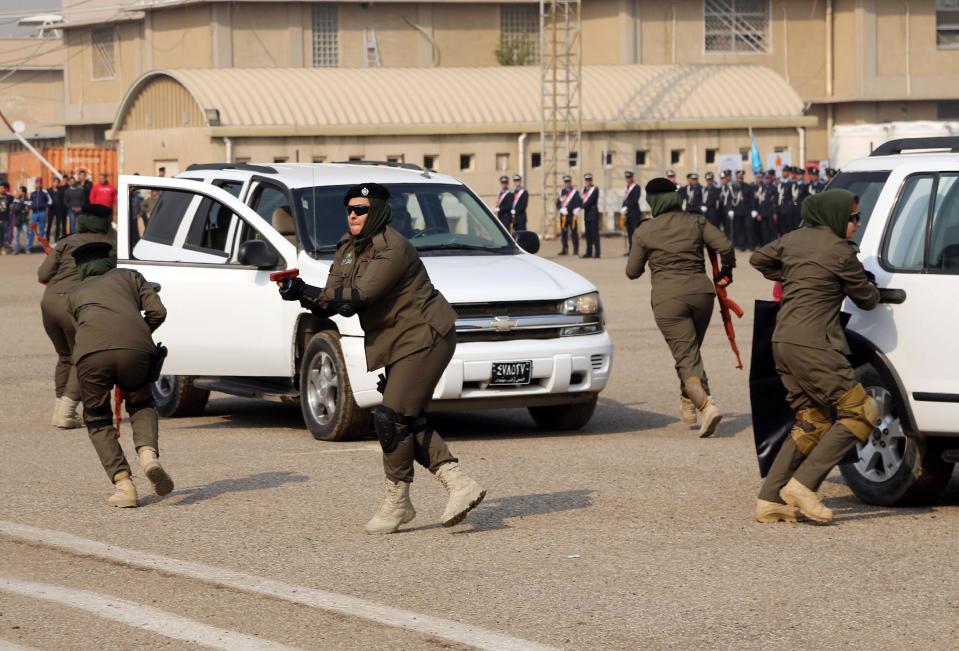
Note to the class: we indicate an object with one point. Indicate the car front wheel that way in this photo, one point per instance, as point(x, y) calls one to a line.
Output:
point(894, 466)
point(175, 396)
point(572, 416)
point(326, 399)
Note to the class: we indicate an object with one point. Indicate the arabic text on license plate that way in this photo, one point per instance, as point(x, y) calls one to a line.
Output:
point(511, 373)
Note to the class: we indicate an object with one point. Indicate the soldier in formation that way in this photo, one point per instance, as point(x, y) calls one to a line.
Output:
point(520, 201)
point(630, 210)
point(683, 296)
point(568, 205)
point(766, 204)
point(693, 194)
point(737, 201)
point(591, 216)
point(116, 312)
point(409, 329)
point(60, 275)
point(711, 197)
point(504, 203)
point(818, 268)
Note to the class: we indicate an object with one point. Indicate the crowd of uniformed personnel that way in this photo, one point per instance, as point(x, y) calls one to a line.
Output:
point(100, 320)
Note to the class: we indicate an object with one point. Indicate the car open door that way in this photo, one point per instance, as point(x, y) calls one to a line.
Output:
point(215, 297)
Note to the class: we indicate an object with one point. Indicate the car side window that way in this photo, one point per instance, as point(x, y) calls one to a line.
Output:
point(166, 215)
point(905, 245)
point(210, 229)
point(233, 187)
point(273, 205)
point(944, 239)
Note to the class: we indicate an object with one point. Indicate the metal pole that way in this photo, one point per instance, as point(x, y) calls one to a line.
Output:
point(30, 147)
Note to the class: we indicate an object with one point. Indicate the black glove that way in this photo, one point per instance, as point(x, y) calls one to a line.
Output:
point(727, 273)
point(344, 308)
point(292, 289)
point(870, 276)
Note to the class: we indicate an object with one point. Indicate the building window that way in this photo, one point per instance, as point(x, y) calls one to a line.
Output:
point(779, 149)
point(326, 51)
point(280, 159)
point(536, 159)
point(355, 158)
point(745, 153)
point(466, 162)
point(607, 158)
point(947, 23)
point(104, 52)
point(711, 156)
point(429, 161)
point(641, 157)
point(397, 159)
point(676, 156)
point(573, 158)
point(319, 159)
point(519, 34)
point(947, 110)
point(737, 25)
point(502, 162)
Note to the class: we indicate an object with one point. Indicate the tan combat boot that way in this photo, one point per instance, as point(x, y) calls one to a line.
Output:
point(162, 483)
point(65, 414)
point(397, 509)
point(687, 410)
point(465, 494)
point(795, 494)
point(711, 414)
point(124, 492)
point(769, 512)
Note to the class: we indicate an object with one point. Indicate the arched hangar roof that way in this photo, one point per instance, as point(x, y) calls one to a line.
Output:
point(400, 101)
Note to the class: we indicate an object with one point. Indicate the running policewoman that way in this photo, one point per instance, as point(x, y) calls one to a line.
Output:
point(409, 330)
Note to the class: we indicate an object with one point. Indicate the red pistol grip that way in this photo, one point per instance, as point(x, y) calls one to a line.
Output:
point(280, 276)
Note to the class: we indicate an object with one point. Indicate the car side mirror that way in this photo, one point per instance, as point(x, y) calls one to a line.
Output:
point(528, 241)
point(259, 254)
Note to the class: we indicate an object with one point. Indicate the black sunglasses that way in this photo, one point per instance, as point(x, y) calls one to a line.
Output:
point(855, 219)
point(357, 210)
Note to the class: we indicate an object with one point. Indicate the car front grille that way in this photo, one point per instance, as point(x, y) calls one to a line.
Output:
point(518, 321)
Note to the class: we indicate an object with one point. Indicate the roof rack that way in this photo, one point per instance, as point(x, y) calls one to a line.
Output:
point(898, 146)
point(244, 167)
point(384, 163)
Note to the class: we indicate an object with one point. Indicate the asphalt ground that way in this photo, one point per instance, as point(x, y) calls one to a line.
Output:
point(632, 533)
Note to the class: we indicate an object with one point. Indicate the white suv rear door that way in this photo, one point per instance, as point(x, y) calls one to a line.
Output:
point(919, 253)
point(224, 318)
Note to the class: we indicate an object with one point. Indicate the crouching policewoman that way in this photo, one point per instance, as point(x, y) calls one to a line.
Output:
point(409, 330)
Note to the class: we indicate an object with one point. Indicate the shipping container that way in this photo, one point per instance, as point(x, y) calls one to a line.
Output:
point(23, 167)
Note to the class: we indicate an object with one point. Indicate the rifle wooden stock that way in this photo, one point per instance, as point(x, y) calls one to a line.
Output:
point(44, 242)
point(726, 307)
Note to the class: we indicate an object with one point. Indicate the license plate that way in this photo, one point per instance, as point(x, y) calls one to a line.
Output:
point(511, 373)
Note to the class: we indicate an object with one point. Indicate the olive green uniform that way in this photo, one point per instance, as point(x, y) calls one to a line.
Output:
point(59, 273)
point(409, 329)
point(114, 346)
point(818, 270)
point(683, 295)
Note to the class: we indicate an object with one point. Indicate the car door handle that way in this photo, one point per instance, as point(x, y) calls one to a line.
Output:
point(895, 296)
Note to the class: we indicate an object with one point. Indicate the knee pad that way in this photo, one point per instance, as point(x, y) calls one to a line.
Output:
point(811, 424)
point(97, 418)
point(391, 428)
point(857, 412)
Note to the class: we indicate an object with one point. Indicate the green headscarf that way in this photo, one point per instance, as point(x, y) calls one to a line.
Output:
point(830, 208)
point(376, 221)
point(96, 267)
point(665, 202)
point(87, 223)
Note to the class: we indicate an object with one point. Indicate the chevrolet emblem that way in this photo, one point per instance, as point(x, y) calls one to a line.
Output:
point(503, 323)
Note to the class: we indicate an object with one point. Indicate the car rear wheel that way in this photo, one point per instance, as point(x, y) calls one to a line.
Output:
point(175, 396)
point(567, 417)
point(326, 399)
point(894, 466)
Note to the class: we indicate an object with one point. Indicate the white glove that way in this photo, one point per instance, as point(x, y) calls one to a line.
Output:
point(704, 209)
point(512, 212)
point(622, 211)
point(754, 214)
point(563, 212)
point(576, 211)
point(731, 214)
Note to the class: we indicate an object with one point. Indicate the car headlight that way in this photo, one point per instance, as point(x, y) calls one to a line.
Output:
point(583, 304)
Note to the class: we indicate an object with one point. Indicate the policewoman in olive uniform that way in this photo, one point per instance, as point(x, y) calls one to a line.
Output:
point(116, 312)
point(818, 268)
point(410, 330)
point(59, 273)
point(683, 295)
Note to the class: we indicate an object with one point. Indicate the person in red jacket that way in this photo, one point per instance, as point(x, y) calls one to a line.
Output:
point(103, 193)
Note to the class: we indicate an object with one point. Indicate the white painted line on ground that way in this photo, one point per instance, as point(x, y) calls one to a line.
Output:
point(320, 599)
point(140, 616)
point(10, 646)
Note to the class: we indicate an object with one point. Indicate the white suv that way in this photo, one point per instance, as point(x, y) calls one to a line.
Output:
point(530, 333)
point(906, 351)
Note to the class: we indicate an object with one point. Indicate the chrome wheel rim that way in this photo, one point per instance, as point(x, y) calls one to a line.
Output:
point(322, 388)
point(881, 456)
point(164, 386)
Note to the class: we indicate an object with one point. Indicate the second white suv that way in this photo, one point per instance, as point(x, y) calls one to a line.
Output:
point(530, 333)
point(907, 350)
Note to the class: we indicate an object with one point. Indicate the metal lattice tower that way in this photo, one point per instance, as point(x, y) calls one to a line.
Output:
point(561, 73)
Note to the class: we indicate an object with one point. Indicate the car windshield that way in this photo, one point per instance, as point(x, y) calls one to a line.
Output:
point(866, 186)
point(437, 219)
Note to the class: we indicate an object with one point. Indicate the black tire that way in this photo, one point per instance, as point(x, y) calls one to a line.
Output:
point(326, 398)
point(176, 397)
point(567, 417)
point(896, 466)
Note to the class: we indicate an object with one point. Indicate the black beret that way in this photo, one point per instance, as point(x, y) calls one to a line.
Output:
point(92, 251)
point(367, 190)
point(814, 171)
point(97, 210)
point(660, 186)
